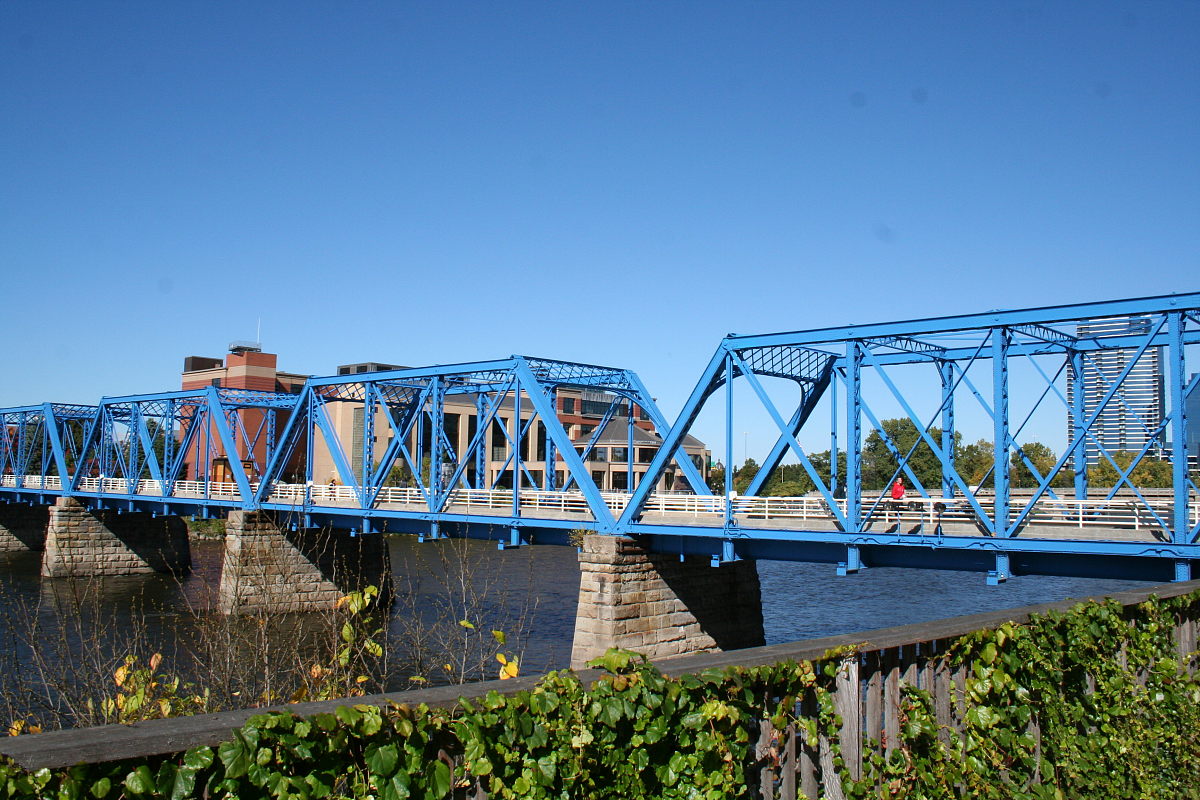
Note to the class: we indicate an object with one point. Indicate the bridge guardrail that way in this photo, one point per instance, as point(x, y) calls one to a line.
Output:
point(1117, 512)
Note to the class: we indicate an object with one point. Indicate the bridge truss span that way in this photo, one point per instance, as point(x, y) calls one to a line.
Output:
point(481, 447)
point(859, 374)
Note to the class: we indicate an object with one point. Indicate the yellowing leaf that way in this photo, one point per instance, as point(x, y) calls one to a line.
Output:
point(509, 670)
point(120, 674)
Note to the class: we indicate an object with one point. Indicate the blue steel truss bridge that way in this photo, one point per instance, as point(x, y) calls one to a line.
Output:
point(830, 385)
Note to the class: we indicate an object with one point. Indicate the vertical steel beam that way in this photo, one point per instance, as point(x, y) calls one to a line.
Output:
point(833, 436)
point(515, 439)
point(368, 442)
point(1181, 525)
point(1078, 431)
point(949, 467)
point(310, 431)
point(629, 487)
point(437, 414)
point(481, 451)
point(208, 417)
point(550, 479)
point(728, 438)
point(853, 436)
point(1001, 471)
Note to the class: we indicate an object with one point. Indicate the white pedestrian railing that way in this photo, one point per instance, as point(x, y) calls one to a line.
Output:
point(1120, 512)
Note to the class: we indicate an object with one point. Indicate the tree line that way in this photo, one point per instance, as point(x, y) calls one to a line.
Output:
point(975, 462)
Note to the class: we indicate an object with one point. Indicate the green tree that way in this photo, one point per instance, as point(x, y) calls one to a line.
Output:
point(1043, 459)
point(1150, 473)
point(745, 473)
point(878, 463)
point(716, 479)
point(974, 461)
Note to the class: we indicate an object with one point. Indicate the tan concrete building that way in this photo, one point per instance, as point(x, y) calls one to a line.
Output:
point(610, 462)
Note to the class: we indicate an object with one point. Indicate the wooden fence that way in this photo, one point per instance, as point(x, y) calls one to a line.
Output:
point(868, 700)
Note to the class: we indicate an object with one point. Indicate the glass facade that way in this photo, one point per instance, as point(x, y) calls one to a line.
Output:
point(1136, 411)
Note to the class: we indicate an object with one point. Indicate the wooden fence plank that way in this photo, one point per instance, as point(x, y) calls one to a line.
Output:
point(891, 699)
point(848, 701)
point(787, 765)
point(809, 761)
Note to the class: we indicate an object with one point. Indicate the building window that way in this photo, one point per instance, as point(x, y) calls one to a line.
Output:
point(586, 430)
point(595, 404)
point(568, 405)
point(598, 454)
point(216, 382)
point(645, 454)
point(598, 478)
point(620, 454)
point(620, 481)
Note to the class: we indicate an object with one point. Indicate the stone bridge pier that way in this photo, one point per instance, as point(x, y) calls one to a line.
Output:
point(85, 543)
point(269, 568)
point(660, 606)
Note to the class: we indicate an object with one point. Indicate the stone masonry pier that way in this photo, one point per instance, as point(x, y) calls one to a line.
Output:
point(23, 527)
point(660, 606)
point(269, 568)
point(85, 543)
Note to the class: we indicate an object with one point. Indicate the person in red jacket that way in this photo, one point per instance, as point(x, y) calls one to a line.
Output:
point(897, 498)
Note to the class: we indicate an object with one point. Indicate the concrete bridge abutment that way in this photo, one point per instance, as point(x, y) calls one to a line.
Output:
point(660, 606)
point(23, 527)
point(81, 542)
point(269, 568)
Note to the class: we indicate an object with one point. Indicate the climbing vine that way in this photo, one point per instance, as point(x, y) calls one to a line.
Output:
point(1093, 702)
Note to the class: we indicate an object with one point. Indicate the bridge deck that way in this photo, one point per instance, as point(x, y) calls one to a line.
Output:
point(1116, 519)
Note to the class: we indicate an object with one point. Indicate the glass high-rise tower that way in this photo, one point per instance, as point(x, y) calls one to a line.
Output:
point(1135, 413)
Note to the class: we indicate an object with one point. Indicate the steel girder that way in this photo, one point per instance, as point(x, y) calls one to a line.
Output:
point(409, 408)
point(145, 443)
point(951, 346)
point(42, 441)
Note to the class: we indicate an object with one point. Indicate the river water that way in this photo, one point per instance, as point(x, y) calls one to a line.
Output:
point(530, 593)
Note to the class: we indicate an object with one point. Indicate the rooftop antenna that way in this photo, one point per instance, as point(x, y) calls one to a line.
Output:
point(249, 347)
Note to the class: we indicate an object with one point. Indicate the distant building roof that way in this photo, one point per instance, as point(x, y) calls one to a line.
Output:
point(617, 433)
point(366, 366)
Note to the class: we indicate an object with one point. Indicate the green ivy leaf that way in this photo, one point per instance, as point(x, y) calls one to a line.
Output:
point(140, 781)
point(438, 777)
point(381, 759)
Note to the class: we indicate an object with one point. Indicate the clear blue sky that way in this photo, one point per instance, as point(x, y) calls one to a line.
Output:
point(615, 183)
